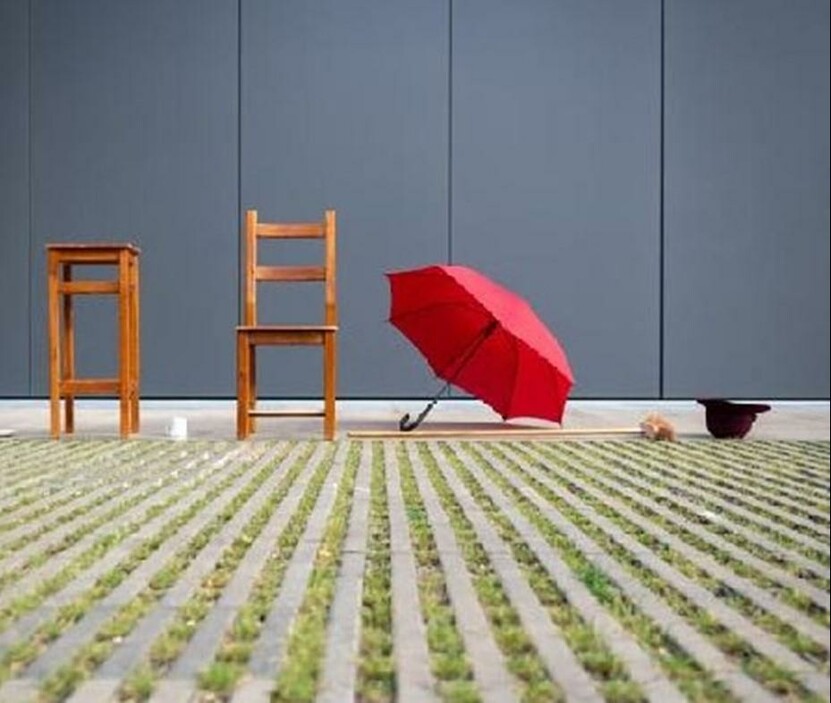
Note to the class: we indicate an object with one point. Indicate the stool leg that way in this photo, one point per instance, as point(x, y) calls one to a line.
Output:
point(243, 386)
point(134, 340)
point(54, 346)
point(68, 353)
point(124, 356)
point(329, 380)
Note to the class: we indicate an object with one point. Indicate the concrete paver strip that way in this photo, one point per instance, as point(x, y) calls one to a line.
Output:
point(50, 540)
point(61, 650)
point(780, 460)
point(266, 658)
point(73, 498)
point(414, 680)
point(763, 642)
point(629, 510)
point(344, 630)
point(24, 501)
point(267, 654)
point(759, 596)
point(698, 646)
point(792, 493)
point(818, 596)
point(44, 470)
point(495, 683)
point(644, 671)
point(740, 504)
point(562, 664)
point(711, 476)
point(137, 644)
point(24, 626)
point(678, 491)
point(206, 640)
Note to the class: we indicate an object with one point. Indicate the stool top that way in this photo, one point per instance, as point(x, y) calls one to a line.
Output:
point(97, 246)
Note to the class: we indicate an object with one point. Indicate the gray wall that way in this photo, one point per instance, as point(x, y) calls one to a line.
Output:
point(134, 137)
point(747, 204)
point(556, 167)
point(344, 105)
point(14, 197)
point(653, 176)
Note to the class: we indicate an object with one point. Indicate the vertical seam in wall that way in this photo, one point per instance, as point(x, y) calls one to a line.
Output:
point(449, 392)
point(239, 158)
point(29, 296)
point(661, 213)
point(450, 132)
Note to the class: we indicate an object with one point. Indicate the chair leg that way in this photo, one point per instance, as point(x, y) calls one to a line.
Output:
point(329, 381)
point(125, 373)
point(243, 386)
point(252, 386)
point(68, 353)
point(134, 341)
point(54, 349)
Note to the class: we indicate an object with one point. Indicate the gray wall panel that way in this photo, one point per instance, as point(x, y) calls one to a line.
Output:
point(556, 109)
point(522, 138)
point(135, 132)
point(14, 197)
point(344, 105)
point(747, 205)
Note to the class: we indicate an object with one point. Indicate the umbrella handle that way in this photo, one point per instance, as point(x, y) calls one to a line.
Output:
point(405, 424)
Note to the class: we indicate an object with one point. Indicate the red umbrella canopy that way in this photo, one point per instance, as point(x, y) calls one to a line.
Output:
point(483, 338)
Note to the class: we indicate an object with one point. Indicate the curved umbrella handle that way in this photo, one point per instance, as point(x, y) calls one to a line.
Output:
point(405, 424)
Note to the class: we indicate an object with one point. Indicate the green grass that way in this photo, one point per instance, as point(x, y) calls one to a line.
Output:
point(645, 470)
point(235, 650)
point(376, 668)
point(449, 661)
point(27, 602)
point(300, 674)
point(769, 674)
point(629, 498)
point(25, 651)
point(90, 656)
point(697, 683)
point(593, 653)
point(786, 633)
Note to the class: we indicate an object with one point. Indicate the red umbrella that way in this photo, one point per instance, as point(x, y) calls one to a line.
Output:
point(483, 338)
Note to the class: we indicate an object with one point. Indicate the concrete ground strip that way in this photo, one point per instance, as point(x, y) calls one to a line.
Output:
point(627, 570)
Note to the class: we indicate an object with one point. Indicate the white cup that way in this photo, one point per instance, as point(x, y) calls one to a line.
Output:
point(178, 428)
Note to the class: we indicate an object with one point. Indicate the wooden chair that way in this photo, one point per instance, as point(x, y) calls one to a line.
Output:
point(251, 334)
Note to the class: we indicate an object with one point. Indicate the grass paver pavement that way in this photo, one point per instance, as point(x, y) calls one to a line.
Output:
point(618, 571)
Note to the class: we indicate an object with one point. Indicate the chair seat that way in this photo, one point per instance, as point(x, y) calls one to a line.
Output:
point(286, 335)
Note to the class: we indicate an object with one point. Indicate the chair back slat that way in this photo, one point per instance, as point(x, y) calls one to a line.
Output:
point(291, 273)
point(291, 230)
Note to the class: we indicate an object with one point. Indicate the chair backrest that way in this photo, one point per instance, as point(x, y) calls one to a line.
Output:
point(256, 230)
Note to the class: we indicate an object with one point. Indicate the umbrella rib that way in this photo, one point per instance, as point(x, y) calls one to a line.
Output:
point(460, 361)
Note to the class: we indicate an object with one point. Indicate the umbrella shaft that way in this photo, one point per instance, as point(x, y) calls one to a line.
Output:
point(465, 356)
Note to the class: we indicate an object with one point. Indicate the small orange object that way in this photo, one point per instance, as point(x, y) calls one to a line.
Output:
point(658, 428)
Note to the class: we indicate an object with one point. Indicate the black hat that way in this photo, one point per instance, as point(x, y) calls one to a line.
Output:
point(726, 419)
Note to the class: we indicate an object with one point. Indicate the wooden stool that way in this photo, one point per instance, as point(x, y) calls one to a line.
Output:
point(62, 380)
